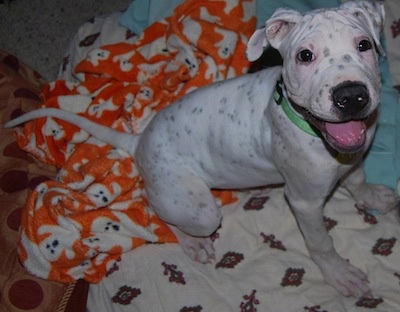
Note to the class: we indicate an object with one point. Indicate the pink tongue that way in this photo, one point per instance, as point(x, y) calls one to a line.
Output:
point(349, 134)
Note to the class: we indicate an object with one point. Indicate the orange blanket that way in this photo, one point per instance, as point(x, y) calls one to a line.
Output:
point(78, 225)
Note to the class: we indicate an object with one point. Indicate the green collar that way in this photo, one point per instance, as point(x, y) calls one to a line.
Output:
point(290, 113)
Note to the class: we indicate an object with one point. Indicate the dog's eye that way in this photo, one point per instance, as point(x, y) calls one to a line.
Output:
point(364, 45)
point(306, 56)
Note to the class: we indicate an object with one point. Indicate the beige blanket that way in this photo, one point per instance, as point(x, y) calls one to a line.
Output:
point(262, 264)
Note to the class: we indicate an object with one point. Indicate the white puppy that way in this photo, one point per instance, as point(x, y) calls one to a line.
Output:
point(249, 132)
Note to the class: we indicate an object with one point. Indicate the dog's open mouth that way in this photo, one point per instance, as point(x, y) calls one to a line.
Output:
point(345, 137)
point(348, 136)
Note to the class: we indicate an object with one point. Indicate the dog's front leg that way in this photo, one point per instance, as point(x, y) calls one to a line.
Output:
point(367, 195)
point(339, 273)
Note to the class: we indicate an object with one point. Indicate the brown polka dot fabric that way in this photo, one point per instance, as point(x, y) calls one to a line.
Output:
point(19, 174)
point(32, 292)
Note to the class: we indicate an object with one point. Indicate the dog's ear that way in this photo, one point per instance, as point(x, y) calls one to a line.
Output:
point(371, 14)
point(273, 33)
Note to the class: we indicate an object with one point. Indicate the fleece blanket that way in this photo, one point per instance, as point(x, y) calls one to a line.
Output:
point(78, 225)
point(262, 264)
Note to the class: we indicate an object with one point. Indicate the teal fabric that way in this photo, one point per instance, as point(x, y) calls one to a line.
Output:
point(265, 8)
point(142, 13)
point(382, 163)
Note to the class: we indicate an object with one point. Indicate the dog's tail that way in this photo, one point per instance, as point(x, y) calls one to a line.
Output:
point(125, 141)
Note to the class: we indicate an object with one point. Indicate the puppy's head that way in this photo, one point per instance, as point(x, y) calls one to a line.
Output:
point(330, 66)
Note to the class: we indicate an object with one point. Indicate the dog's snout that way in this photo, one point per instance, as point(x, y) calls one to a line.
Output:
point(350, 97)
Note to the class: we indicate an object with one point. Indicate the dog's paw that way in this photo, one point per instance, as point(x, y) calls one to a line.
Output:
point(344, 277)
point(378, 197)
point(199, 249)
point(349, 281)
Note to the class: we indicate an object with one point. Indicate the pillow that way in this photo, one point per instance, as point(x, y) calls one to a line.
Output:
point(20, 172)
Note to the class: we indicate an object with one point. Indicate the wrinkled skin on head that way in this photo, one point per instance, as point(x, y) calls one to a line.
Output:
point(330, 66)
point(335, 58)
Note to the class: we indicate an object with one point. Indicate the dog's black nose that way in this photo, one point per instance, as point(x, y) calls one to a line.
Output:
point(350, 97)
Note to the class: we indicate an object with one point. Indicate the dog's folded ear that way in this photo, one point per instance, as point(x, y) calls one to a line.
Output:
point(371, 15)
point(275, 30)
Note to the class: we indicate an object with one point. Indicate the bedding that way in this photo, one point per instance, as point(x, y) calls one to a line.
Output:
point(92, 221)
point(78, 225)
point(261, 264)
